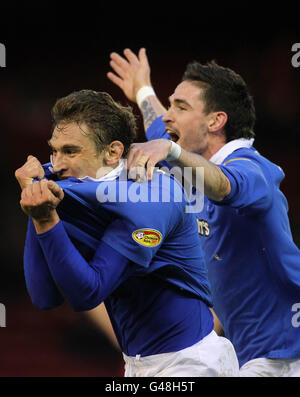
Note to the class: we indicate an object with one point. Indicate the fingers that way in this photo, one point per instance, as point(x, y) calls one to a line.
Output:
point(36, 191)
point(31, 195)
point(47, 196)
point(31, 169)
point(121, 71)
point(24, 195)
point(119, 61)
point(138, 155)
point(55, 189)
point(143, 57)
point(132, 156)
point(136, 164)
point(150, 169)
point(115, 79)
point(131, 57)
point(38, 201)
point(148, 154)
point(33, 161)
point(121, 66)
point(41, 193)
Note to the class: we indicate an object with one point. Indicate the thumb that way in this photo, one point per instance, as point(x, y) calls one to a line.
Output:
point(55, 189)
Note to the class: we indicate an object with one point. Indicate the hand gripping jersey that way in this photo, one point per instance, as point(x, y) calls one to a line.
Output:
point(253, 263)
point(158, 299)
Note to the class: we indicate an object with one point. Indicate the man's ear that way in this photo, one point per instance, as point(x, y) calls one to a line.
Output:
point(217, 121)
point(113, 153)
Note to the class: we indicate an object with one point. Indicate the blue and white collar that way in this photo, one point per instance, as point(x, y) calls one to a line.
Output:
point(230, 147)
point(111, 176)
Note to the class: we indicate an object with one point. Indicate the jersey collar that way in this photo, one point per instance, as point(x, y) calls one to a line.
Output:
point(230, 147)
point(111, 176)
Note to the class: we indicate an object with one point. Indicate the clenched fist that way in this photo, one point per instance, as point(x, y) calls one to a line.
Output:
point(40, 199)
point(30, 170)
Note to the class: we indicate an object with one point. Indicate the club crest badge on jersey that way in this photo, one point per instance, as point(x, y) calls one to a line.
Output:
point(147, 237)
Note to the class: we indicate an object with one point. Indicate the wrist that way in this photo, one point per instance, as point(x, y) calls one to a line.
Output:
point(42, 225)
point(24, 182)
point(143, 93)
point(174, 152)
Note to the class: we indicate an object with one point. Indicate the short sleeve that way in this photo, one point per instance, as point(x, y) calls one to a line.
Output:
point(140, 228)
point(250, 187)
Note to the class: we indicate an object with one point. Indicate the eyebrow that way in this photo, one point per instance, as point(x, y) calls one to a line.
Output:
point(66, 147)
point(179, 101)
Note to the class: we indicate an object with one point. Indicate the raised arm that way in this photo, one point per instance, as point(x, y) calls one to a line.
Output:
point(132, 75)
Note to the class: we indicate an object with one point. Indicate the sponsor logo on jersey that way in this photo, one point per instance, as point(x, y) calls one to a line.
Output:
point(147, 237)
point(203, 227)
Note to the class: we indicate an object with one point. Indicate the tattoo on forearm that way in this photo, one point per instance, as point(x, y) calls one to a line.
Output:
point(148, 112)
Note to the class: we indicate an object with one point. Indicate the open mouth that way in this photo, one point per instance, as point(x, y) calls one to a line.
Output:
point(174, 137)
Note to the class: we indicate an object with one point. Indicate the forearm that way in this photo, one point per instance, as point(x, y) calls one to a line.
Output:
point(83, 284)
point(151, 108)
point(205, 175)
point(100, 318)
point(44, 225)
point(40, 285)
point(218, 328)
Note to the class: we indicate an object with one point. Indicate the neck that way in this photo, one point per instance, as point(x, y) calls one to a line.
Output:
point(216, 140)
point(106, 169)
point(212, 148)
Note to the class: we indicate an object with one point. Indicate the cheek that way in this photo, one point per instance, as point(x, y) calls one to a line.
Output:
point(77, 167)
point(195, 138)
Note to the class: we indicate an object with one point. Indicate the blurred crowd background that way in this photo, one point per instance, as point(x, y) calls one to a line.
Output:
point(54, 49)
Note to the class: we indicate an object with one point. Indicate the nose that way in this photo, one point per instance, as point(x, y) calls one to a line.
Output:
point(58, 163)
point(167, 117)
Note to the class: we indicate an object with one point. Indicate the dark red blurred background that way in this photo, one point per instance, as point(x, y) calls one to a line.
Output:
point(52, 50)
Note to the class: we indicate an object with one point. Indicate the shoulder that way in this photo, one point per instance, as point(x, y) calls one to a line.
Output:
point(250, 158)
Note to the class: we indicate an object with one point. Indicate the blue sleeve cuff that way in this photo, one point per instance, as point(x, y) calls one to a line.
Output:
point(233, 185)
point(54, 229)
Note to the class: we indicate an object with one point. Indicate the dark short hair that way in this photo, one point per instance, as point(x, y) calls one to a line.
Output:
point(106, 119)
point(225, 90)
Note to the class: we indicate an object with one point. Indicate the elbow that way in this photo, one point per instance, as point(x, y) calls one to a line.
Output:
point(224, 190)
point(84, 306)
point(46, 304)
point(220, 191)
point(85, 301)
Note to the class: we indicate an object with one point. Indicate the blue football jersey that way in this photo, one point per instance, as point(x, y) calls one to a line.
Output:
point(145, 222)
point(158, 301)
point(253, 263)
